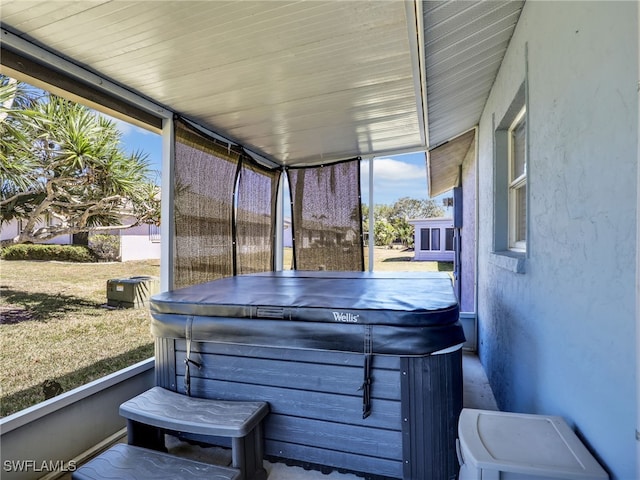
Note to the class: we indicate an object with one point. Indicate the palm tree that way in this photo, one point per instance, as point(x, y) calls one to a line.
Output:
point(62, 160)
point(16, 160)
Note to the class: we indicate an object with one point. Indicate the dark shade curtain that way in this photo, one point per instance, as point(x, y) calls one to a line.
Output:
point(255, 218)
point(327, 218)
point(205, 177)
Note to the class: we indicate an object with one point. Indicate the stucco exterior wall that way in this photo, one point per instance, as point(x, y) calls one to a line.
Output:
point(560, 337)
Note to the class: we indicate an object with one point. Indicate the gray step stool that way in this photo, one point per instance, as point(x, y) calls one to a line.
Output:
point(134, 463)
point(157, 410)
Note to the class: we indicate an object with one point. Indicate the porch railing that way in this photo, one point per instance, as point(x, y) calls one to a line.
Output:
point(52, 435)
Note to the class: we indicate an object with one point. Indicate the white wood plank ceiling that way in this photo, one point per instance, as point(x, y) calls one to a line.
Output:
point(298, 82)
point(465, 43)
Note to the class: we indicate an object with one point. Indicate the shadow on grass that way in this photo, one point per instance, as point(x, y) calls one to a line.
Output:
point(24, 306)
point(37, 393)
point(397, 259)
point(445, 266)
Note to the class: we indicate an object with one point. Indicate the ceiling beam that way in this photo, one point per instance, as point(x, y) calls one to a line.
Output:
point(54, 62)
point(415, 31)
point(29, 71)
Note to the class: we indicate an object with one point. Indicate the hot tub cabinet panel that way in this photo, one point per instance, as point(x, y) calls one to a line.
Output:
point(317, 396)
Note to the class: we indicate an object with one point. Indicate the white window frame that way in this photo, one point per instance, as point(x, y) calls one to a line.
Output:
point(515, 184)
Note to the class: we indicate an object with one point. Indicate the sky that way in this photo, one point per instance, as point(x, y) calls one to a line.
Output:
point(136, 138)
point(394, 176)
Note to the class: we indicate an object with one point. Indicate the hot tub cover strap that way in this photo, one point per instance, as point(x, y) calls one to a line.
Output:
point(366, 384)
point(188, 333)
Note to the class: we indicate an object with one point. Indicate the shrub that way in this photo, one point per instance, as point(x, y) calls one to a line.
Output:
point(106, 247)
point(64, 253)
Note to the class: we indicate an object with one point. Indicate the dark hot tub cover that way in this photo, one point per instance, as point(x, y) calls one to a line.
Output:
point(396, 313)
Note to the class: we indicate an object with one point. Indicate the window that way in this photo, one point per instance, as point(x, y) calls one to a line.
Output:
point(435, 239)
point(511, 168)
point(430, 239)
point(517, 153)
point(425, 244)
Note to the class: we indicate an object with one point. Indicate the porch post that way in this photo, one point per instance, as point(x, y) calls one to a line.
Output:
point(279, 233)
point(167, 231)
point(638, 257)
point(371, 242)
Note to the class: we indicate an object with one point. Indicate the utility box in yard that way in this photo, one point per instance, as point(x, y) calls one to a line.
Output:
point(133, 292)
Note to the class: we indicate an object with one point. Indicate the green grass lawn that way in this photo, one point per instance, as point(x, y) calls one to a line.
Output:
point(54, 325)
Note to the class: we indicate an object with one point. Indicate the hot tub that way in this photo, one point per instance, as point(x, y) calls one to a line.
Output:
point(362, 371)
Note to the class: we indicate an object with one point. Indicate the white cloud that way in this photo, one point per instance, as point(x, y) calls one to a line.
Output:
point(394, 178)
point(392, 170)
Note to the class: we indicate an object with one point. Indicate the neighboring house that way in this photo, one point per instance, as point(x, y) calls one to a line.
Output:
point(137, 243)
point(434, 239)
point(10, 230)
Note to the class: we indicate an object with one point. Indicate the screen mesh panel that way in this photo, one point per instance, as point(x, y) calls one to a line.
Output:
point(205, 177)
point(255, 218)
point(327, 219)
